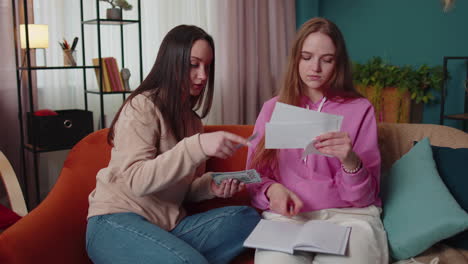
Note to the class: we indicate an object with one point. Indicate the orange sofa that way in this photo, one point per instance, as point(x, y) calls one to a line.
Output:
point(54, 232)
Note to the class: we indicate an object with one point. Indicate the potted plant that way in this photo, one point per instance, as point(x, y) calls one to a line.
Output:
point(396, 91)
point(115, 13)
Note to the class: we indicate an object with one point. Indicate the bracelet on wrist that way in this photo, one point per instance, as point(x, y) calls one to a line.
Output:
point(356, 169)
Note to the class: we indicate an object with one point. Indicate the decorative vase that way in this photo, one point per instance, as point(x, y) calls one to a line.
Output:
point(390, 105)
point(396, 105)
point(114, 13)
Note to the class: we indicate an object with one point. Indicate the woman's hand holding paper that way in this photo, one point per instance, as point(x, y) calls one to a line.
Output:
point(339, 145)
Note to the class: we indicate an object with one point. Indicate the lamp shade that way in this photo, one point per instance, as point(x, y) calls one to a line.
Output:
point(38, 36)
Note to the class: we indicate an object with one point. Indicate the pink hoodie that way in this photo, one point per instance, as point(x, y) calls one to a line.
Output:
point(320, 182)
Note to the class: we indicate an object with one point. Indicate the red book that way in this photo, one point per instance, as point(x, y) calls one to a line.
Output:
point(116, 72)
point(112, 79)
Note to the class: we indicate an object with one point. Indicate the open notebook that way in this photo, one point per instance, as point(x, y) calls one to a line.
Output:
point(315, 236)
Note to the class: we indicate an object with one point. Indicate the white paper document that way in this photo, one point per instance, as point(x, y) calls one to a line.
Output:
point(314, 236)
point(295, 127)
point(292, 135)
point(293, 114)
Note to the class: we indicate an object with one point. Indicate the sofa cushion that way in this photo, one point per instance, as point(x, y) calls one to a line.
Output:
point(451, 164)
point(418, 208)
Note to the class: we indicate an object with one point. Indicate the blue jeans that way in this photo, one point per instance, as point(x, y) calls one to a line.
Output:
point(215, 236)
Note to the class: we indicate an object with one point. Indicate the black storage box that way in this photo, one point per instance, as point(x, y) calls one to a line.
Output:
point(62, 130)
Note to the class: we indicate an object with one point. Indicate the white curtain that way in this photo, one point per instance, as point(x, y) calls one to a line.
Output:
point(252, 40)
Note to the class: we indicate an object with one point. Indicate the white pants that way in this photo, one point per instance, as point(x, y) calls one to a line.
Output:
point(367, 241)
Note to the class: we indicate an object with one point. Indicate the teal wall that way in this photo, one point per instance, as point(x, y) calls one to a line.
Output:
point(403, 32)
point(306, 9)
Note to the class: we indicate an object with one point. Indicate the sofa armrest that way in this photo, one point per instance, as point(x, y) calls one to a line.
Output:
point(55, 231)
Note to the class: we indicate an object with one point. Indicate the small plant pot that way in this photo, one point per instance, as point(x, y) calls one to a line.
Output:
point(390, 105)
point(114, 13)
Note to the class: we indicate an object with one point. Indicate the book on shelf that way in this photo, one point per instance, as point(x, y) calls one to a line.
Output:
point(118, 76)
point(314, 236)
point(114, 74)
point(112, 78)
point(106, 86)
point(110, 73)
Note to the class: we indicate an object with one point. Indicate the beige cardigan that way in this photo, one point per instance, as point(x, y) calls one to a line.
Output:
point(150, 173)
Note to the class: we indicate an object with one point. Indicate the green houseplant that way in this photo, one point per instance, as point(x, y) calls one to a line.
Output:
point(115, 12)
point(392, 89)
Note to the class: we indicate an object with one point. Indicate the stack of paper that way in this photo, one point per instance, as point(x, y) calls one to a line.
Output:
point(295, 127)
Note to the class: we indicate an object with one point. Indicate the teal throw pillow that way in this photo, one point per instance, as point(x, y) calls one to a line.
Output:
point(418, 209)
point(451, 164)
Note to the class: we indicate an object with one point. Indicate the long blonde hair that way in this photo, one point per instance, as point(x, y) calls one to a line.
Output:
point(339, 88)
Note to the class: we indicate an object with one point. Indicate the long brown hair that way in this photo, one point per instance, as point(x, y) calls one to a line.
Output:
point(169, 80)
point(339, 88)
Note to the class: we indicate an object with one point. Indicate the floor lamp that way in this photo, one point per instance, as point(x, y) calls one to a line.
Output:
point(38, 37)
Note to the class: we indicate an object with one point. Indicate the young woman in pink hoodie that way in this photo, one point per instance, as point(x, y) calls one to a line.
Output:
point(342, 188)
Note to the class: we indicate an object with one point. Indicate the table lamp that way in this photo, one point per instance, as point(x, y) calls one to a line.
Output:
point(38, 37)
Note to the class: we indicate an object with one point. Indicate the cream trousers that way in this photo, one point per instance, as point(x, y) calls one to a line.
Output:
point(367, 241)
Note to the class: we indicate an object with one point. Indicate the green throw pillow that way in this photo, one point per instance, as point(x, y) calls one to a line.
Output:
point(418, 209)
point(451, 164)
